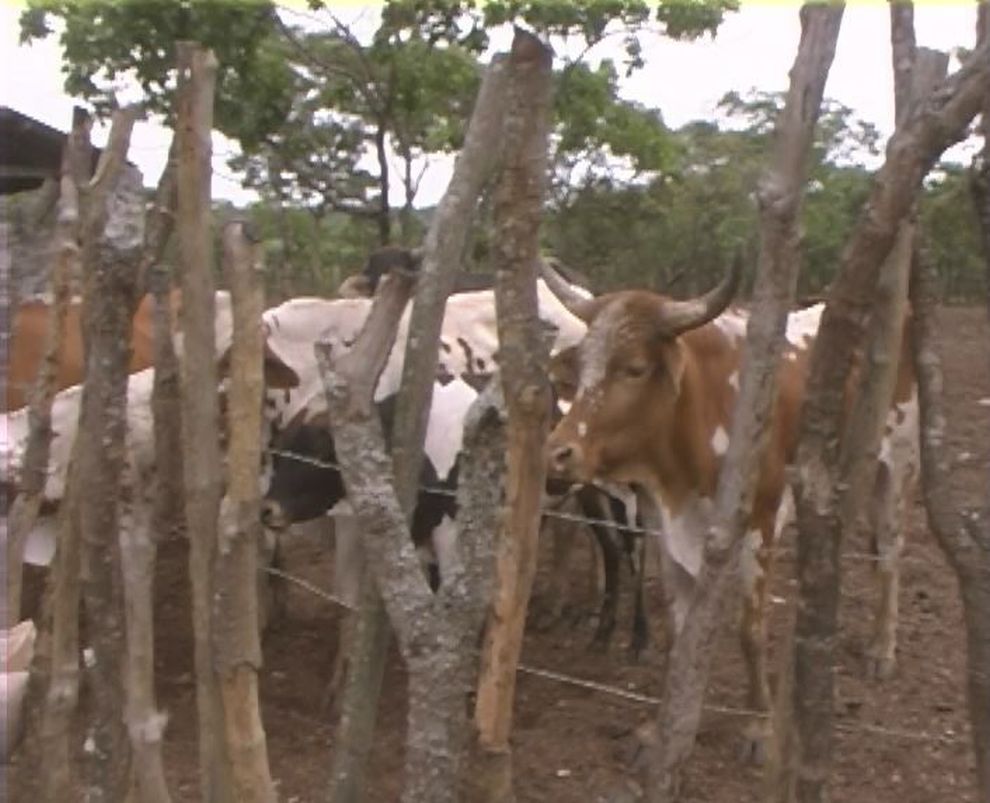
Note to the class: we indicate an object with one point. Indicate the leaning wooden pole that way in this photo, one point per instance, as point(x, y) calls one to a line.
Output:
point(523, 362)
point(780, 196)
point(203, 479)
point(139, 540)
point(913, 149)
point(112, 245)
point(54, 684)
point(235, 622)
point(442, 253)
point(33, 470)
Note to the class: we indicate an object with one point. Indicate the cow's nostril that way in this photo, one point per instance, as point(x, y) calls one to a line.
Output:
point(561, 457)
point(270, 514)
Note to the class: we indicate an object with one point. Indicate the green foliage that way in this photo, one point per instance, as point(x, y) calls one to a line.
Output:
point(951, 233)
point(106, 42)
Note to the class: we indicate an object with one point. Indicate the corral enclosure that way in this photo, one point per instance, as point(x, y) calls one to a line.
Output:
point(901, 741)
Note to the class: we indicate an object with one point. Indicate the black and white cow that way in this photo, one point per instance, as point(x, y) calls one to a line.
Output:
point(306, 482)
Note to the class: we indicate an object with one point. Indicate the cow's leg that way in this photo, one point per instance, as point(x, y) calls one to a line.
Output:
point(611, 557)
point(271, 588)
point(755, 564)
point(888, 521)
point(641, 633)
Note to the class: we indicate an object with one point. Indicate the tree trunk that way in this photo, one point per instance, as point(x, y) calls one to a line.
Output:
point(980, 172)
point(523, 368)
point(443, 247)
point(780, 205)
point(964, 536)
point(912, 150)
point(113, 250)
point(200, 415)
point(33, 470)
point(384, 216)
point(436, 632)
point(235, 625)
point(151, 518)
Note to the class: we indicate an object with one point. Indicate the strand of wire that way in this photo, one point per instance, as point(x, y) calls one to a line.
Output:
point(577, 518)
point(646, 699)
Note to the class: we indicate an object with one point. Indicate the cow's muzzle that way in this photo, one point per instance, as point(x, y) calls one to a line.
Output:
point(565, 461)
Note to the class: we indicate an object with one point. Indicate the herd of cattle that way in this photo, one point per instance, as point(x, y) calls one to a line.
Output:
point(645, 388)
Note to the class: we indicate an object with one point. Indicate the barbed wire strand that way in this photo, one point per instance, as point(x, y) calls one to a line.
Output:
point(646, 699)
point(577, 518)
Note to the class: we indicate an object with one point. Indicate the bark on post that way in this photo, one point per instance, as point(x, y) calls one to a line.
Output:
point(139, 541)
point(963, 535)
point(442, 248)
point(111, 249)
point(200, 414)
point(235, 623)
point(33, 469)
point(523, 368)
point(980, 171)
point(436, 633)
point(780, 194)
point(911, 152)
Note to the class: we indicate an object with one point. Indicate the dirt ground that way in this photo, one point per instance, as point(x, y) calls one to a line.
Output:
point(901, 741)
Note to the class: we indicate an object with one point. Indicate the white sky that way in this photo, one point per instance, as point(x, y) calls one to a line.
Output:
point(754, 49)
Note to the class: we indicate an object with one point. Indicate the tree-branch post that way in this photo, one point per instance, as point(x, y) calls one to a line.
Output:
point(911, 152)
point(112, 246)
point(523, 368)
point(442, 252)
point(235, 622)
point(200, 409)
point(780, 194)
point(33, 469)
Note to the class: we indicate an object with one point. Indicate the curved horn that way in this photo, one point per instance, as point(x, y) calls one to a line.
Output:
point(680, 316)
point(578, 305)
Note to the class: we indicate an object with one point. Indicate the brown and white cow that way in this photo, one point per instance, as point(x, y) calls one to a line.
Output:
point(657, 384)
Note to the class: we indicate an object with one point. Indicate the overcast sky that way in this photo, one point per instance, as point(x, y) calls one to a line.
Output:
point(754, 49)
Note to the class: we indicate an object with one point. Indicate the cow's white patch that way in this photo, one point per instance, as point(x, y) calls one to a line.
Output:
point(732, 323)
point(899, 445)
point(791, 356)
point(445, 429)
point(720, 441)
point(734, 381)
point(582, 429)
point(564, 406)
point(802, 325)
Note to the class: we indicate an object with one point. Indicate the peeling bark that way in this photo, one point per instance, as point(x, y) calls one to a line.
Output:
point(33, 470)
point(202, 477)
point(436, 633)
point(780, 194)
point(523, 368)
point(964, 536)
point(235, 623)
point(443, 247)
point(821, 457)
point(112, 247)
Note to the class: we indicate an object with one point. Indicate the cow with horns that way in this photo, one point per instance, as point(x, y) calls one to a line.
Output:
point(657, 382)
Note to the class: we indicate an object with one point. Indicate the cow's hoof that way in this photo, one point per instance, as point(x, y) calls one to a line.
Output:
point(880, 667)
point(755, 744)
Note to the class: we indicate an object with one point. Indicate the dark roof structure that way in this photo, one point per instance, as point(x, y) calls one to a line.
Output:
point(30, 151)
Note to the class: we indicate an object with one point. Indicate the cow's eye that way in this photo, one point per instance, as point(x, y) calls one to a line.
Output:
point(634, 370)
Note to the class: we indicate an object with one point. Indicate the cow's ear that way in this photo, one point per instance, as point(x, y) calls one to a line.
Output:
point(278, 375)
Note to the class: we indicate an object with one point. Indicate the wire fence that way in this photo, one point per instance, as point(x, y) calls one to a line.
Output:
point(639, 698)
point(553, 512)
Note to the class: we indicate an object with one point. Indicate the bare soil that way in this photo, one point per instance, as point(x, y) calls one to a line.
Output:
point(905, 740)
